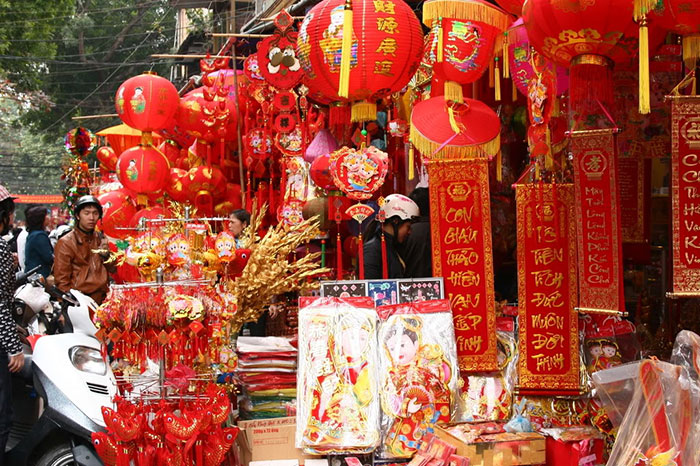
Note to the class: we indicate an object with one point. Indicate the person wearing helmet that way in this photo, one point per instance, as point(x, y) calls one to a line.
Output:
point(11, 356)
point(417, 250)
point(79, 256)
point(398, 211)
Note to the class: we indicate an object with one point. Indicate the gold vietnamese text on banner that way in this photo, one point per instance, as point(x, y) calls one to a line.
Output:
point(685, 194)
point(549, 361)
point(460, 218)
point(598, 222)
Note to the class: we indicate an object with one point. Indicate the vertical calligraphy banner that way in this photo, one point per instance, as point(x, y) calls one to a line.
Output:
point(548, 321)
point(460, 219)
point(598, 222)
point(685, 194)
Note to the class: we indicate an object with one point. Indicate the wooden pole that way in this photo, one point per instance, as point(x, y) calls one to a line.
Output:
point(238, 34)
point(91, 117)
point(175, 55)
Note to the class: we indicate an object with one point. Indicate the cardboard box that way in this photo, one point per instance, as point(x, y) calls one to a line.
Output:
point(269, 439)
point(517, 449)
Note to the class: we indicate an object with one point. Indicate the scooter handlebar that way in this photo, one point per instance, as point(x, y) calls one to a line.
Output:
point(21, 277)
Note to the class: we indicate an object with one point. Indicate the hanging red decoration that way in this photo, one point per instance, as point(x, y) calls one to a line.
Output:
point(512, 6)
point(277, 58)
point(681, 17)
point(117, 211)
point(584, 35)
point(202, 186)
point(146, 102)
point(320, 172)
point(251, 68)
point(259, 143)
point(174, 187)
point(151, 213)
point(359, 173)
point(462, 40)
point(377, 58)
point(79, 141)
point(107, 157)
point(143, 169)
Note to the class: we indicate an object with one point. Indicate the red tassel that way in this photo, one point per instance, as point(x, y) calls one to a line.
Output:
point(199, 452)
point(361, 255)
point(339, 255)
point(385, 268)
point(248, 194)
point(591, 86)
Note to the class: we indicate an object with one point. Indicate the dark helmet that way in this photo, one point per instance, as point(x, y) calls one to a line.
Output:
point(85, 201)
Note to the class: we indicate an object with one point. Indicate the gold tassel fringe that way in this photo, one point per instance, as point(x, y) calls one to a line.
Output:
point(440, 41)
point(346, 51)
point(644, 98)
point(363, 111)
point(411, 168)
point(453, 91)
point(427, 147)
point(460, 9)
point(691, 50)
point(492, 82)
point(497, 81)
point(643, 7)
point(499, 166)
point(506, 63)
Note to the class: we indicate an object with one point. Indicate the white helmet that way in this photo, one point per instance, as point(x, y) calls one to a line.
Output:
point(400, 206)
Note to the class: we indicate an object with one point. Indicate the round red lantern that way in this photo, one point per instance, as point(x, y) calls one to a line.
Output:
point(320, 172)
point(681, 17)
point(377, 57)
point(143, 169)
point(151, 213)
point(202, 185)
point(175, 188)
point(171, 150)
point(117, 210)
point(585, 36)
point(107, 157)
point(146, 102)
point(462, 40)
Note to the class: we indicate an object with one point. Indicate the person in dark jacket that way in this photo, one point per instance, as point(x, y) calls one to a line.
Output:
point(417, 250)
point(399, 211)
point(38, 250)
point(11, 356)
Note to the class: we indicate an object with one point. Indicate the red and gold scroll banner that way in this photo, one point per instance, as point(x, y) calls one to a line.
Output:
point(634, 188)
point(549, 341)
point(685, 193)
point(461, 237)
point(598, 222)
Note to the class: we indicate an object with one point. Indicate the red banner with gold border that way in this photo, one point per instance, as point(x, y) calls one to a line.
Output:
point(634, 188)
point(460, 219)
point(548, 321)
point(598, 222)
point(685, 194)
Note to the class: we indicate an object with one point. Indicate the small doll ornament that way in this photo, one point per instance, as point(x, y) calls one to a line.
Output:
point(225, 245)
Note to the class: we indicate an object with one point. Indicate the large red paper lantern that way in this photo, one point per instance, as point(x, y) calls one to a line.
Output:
point(146, 102)
point(584, 35)
point(203, 185)
point(462, 40)
point(384, 52)
point(117, 210)
point(143, 169)
point(151, 213)
point(320, 172)
point(174, 187)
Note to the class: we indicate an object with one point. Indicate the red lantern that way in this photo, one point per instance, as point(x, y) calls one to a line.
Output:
point(117, 211)
point(171, 150)
point(143, 169)
point(197, 116)
point(202, 185)
point(146, 102)
point(381, 53)
point(320, 172)
point(107, 157)
point(462, 40)
point(175, 188)
point(232, 200)
point(584, 35)
point(152, 213)
point(359, 173)
point(682, 17)
point(512, 6)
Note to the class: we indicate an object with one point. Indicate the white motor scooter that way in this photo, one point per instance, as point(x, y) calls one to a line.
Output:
point(67, 372)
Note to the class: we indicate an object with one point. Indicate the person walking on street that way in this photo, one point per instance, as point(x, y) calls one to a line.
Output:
point(11, 356)
point(38, 250)
point(79, 257)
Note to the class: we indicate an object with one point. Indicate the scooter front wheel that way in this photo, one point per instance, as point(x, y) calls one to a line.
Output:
point(57, 455)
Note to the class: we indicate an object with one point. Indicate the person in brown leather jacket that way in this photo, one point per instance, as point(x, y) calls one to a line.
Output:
point(76, 264)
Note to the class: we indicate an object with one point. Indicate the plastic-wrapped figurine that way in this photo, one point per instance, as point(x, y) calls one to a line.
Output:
point(418, 365)
point(337, 406)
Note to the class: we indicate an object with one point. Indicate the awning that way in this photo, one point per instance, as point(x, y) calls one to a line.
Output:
point(38, 198)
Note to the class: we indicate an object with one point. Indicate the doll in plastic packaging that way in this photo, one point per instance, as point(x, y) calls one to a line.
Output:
point(419, 378)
